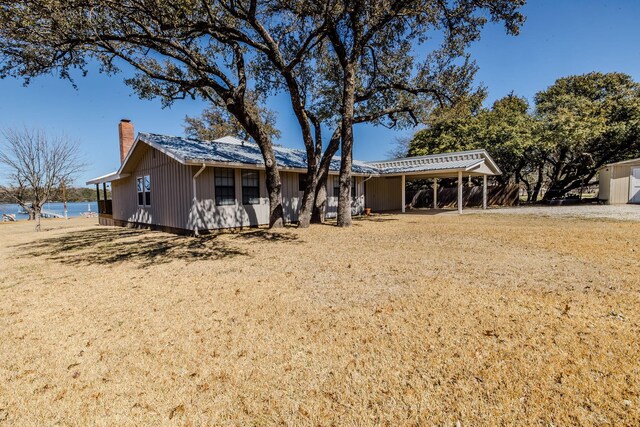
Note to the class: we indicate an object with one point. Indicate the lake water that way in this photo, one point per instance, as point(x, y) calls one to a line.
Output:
point(73, 209)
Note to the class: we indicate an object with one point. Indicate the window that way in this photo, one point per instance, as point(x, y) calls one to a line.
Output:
point(225, 186)
point(336, 187)
point(143, 185)
point(353, 187)
point(250, 188)
point(302, 181)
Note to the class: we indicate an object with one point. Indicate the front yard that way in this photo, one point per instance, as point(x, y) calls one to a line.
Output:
point(400, 320)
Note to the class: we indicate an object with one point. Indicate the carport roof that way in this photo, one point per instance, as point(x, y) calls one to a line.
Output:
point(475, 161)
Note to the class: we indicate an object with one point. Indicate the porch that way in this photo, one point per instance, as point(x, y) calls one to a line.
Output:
point(388, 191)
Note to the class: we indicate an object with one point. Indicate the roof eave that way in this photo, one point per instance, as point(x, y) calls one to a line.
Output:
point(114, 176)
point(200, 162)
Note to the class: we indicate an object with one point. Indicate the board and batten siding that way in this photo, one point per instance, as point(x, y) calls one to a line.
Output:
point(173, 204)
point(357, 204)
point(615, 183)
point(207, 216)
point(384, 194)
point(170, 192)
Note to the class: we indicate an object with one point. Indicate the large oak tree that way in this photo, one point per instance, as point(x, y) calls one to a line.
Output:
point(217, 49)
point(579, 124)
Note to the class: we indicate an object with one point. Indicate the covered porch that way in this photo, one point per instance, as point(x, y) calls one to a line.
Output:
point(388, 191)
point(105, 204)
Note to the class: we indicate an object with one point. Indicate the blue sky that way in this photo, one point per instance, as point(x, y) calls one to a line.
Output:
point(560, 38)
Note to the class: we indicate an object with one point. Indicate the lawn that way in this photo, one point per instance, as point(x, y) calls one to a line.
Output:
point(400, 320)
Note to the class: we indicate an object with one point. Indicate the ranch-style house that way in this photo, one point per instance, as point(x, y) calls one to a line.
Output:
point(184, 185)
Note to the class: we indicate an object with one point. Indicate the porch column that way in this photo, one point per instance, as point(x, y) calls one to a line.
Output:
point(459, 192)
point(403, 195)
point(435, 193)
point(484, 191)
point(98, 193)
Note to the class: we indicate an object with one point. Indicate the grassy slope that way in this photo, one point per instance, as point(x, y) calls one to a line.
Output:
point(409, 319)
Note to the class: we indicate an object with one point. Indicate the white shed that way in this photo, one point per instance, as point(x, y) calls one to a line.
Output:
point(620, 182)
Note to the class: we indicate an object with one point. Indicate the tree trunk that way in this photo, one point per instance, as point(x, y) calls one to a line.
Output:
point(346, 136)
point(274, 189)
point(308, 198)
point(252, 125)
point(37, 217)
point(64, 199)
point(319, 206)
point(539, 182)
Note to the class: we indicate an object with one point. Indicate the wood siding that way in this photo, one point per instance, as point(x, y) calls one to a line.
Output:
point(173, 204)
point(384, 194)
point(170, 191)
point(615, 183)
point(357, 204)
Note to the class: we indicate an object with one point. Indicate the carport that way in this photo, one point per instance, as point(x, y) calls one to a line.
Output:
point(394, 174)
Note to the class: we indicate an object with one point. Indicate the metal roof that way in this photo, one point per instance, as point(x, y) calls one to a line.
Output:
point(233, 151)
point(463, 160)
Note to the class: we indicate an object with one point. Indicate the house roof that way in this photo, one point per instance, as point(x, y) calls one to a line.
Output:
point(230, 151)
point(113, 176)
point(235, 151)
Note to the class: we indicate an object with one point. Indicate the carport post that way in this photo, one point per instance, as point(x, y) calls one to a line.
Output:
point(484, 191)
point(435, 193)
point(403, 195)
point(459, 192)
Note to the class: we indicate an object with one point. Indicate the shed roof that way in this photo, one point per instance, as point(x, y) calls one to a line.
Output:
point(624, 162)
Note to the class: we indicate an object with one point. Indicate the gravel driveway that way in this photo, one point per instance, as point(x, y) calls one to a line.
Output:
point(618, 212)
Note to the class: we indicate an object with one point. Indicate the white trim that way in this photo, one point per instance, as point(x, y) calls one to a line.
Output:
point(484, 192)
point(113, 176)
point(460, 192)
point(404, 190)
point(138, 192)
point(435, 192)
point(144, 192)
point(631, 182)
point(241, 201)
point(624, 162)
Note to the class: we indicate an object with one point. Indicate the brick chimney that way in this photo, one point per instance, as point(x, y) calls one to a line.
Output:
point(126, 133)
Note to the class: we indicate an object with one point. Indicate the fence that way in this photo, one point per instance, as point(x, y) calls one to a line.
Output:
point(499, 195)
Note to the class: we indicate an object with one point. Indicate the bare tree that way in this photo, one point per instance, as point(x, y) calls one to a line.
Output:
point(37, 166)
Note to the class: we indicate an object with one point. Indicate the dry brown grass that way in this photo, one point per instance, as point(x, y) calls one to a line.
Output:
point(404, 320)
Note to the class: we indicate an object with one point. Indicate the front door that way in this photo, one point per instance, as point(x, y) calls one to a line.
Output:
point(634, 190)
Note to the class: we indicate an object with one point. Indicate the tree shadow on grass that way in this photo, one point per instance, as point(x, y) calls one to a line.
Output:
point(107, 246)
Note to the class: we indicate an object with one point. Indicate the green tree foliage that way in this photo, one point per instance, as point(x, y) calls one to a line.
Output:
point(372, 41)
point(587, 121)
point(355, 57)
point(177, 48)
point(506, 131)
point(579, 124)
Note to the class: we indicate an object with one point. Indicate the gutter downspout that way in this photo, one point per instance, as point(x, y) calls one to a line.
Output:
point(195, 198)
point(364, 190)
